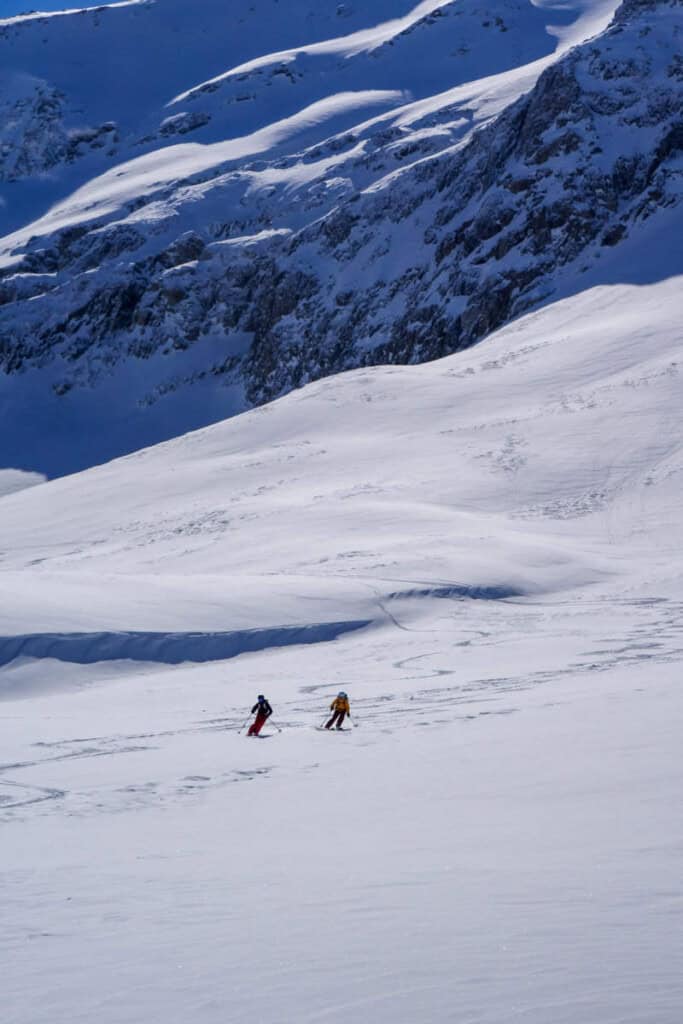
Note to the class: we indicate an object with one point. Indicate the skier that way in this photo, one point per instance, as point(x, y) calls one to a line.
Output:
point(262, 710)
point(340, 706)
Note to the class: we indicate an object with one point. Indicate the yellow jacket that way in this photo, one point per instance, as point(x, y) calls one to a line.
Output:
point(340, 704)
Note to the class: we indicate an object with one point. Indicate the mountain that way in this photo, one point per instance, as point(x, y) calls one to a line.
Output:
point(330, 186)
point(205, 206)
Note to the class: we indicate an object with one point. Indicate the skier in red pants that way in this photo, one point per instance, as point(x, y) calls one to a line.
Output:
point(262, 710)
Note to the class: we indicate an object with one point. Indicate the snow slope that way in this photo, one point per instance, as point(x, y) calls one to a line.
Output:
point(14, 480)
point(523, 435)
point(496, 838)
point(184, 237)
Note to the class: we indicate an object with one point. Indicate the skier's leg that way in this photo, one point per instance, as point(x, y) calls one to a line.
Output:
point(341, 715)
point(258, 724)
point(331, 722)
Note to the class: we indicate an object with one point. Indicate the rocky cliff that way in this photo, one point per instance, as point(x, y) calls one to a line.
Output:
point(399, 237)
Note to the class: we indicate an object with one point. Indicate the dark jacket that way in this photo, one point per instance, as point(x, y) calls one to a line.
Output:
point(263, 708)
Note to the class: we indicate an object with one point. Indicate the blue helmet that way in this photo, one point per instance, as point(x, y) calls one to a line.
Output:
point(341, 694)
point(261, 697)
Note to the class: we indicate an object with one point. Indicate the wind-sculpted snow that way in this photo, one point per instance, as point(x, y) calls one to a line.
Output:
point(186, 238)
point(45, 11)
point(363, 41)
point(463, 591)
point(133, 181)
point(164, 648)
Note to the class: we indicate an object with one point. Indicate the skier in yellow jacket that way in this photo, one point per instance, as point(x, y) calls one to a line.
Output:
point(340, 707)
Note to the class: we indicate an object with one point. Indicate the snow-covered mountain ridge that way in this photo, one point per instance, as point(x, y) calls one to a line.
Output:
point(198, 278)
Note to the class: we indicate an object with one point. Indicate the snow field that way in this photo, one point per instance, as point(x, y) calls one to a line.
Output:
point(533, 463)
point(472, 849)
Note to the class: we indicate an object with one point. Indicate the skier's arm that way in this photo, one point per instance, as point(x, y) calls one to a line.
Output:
point(254, 709)
point(269, 710)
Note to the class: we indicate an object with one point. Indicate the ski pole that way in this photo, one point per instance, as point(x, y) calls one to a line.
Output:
point(241, 728)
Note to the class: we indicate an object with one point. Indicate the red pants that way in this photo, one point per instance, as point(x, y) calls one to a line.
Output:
point(257, 725)
point(337, 717)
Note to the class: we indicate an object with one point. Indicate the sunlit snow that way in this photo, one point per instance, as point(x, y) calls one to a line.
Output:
point(496, 837)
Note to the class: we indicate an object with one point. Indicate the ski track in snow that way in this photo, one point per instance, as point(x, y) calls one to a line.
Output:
point(165, 804)
point(415, 703)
